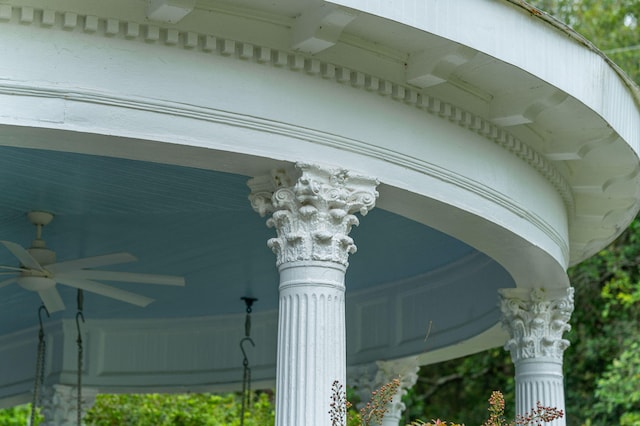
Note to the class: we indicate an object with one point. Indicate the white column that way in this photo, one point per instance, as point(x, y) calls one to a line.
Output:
point(368, 378)
point(536, 320)
point(312, 210)
point(60, 404)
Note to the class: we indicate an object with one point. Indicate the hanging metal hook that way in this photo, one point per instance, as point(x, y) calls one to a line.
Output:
point(245, 362)
point(42, 307)
point(40, 313)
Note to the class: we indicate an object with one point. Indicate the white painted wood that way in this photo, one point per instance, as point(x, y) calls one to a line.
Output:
point(540, 381)
point(313, 210)
point(392, 321)
point(420, 154)
point(170, 11)
point(319, 27)
point(540, 50)
point(504, 100)
point(536, 320)
point(311, 341)
point(503, 147)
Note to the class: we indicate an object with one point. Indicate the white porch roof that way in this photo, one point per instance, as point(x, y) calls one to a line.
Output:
point(506, 151)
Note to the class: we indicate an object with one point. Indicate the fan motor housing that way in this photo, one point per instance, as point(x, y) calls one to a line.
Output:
point(36, 283)
point(44, 256)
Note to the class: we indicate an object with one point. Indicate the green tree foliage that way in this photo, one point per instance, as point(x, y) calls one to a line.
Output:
point(457, 390)
point(612, 25)
point(618, 388)
point(17, 416)
point(178, 410)
point(603, 384)
point(604, 358)
point(163, 410)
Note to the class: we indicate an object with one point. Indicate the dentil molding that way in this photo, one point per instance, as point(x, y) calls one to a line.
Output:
point(172, 37)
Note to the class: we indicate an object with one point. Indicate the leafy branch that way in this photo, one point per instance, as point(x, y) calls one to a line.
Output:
point(377, 407)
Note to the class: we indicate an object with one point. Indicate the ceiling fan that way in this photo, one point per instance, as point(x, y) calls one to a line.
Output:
point(39, 271)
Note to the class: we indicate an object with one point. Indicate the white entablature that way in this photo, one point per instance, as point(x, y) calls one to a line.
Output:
point(138, 125)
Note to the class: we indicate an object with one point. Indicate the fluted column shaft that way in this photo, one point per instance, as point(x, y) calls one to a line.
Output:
point(536, 320)
point(312, 209)
point(311, 341)
point(539, 380)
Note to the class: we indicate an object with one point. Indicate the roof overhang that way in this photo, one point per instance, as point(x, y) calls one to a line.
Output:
point(499, 166)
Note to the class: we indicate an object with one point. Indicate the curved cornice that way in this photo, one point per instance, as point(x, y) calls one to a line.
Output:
point(317, 137)
point(544, 16)
point(173, 37)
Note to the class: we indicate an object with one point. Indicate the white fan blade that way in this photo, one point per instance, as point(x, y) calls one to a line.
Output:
point(23, 255)
point(7, 282)
point(51, 299)
point(105, 290)
point(124, 277)
point(13, 268)
point(91, 262)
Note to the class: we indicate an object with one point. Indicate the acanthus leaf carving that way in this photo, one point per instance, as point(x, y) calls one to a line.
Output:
point(536, 320)
point(313, 216)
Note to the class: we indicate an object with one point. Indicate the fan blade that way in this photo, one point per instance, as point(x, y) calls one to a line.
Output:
point(13, 268)
point(124, 277)
point(51, 299)
point(23, 255)
point(105, 290)
point(91, 262)
point(7, 282)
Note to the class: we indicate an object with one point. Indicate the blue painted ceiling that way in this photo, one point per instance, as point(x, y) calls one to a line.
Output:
point(179, 221)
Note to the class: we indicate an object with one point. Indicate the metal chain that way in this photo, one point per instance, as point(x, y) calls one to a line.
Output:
point(79, 316)
point(39, 376)
point(79, 384)
point(246, 375)
point(246, 390)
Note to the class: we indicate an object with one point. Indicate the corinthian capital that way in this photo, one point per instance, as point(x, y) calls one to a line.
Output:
point(312, 209)
point(536, 320)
